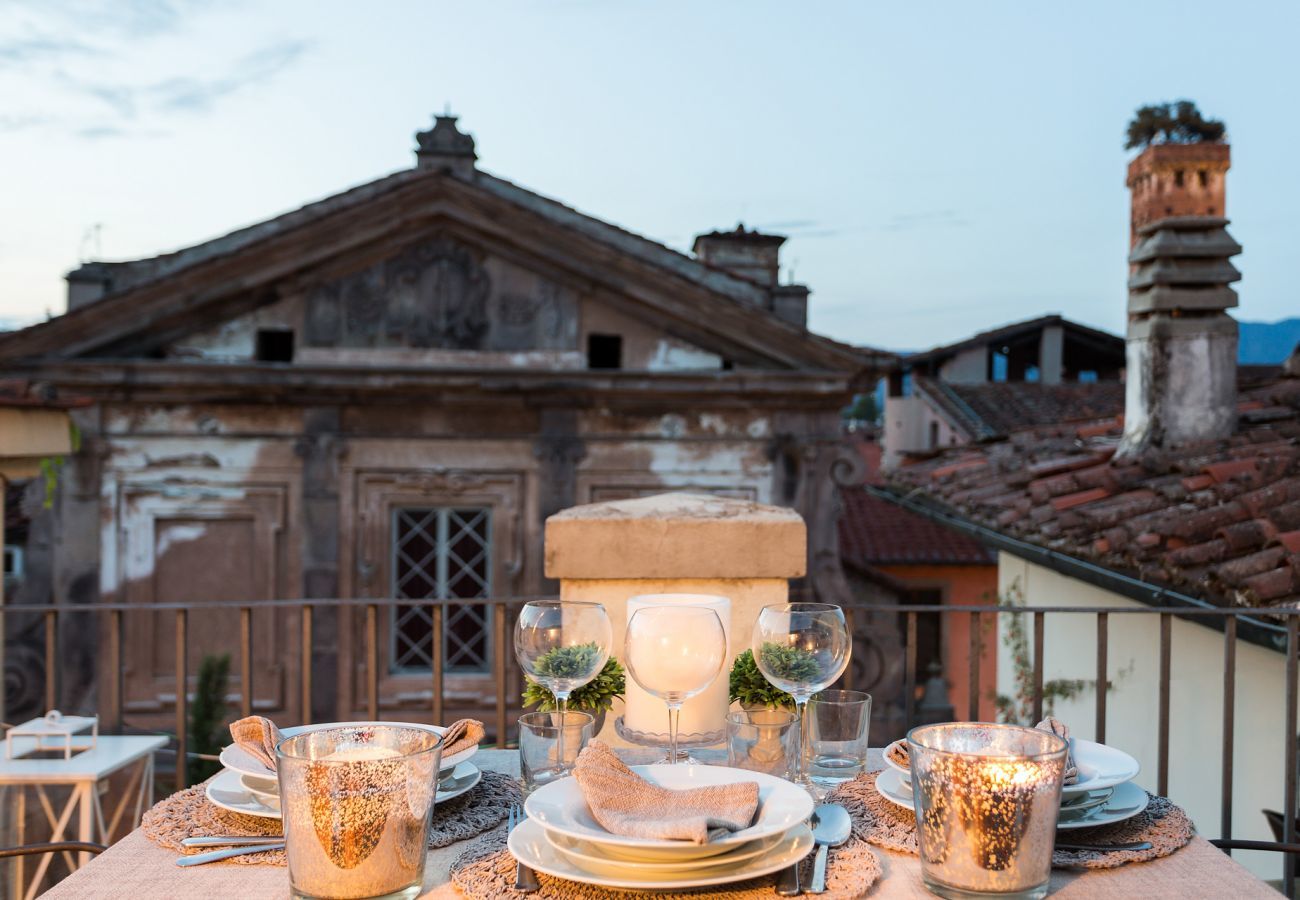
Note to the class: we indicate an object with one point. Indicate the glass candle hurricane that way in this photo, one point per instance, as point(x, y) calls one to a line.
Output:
point(986, 799)
point(355, 802)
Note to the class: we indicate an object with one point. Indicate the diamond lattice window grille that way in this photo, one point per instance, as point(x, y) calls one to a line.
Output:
point(441, 553)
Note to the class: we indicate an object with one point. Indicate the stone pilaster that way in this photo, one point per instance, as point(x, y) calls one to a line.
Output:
point(320, 449)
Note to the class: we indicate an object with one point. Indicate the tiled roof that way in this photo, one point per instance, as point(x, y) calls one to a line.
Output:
point(1000, 408)
point(1219, 521)
point(875, 532)
point(1015, 329)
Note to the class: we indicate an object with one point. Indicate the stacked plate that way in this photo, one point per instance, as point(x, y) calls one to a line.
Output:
point(246, 786)
point(1104, 794)
point(561, 838)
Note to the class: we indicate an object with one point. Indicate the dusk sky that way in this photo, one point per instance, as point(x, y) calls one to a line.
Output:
point(938, 171)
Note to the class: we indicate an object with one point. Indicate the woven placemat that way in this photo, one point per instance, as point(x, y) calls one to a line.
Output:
point(189, 813)
point(486, 870)
point(1163, 823)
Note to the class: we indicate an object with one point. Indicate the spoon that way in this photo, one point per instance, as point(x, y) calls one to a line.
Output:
point(202, 858)
point(831, 827)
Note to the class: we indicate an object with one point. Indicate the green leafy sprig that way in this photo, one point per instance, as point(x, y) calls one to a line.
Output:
point(748, 686)
point(595, 696)
point(790, 663)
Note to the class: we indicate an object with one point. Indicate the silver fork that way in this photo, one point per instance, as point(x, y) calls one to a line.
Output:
point(525, 878)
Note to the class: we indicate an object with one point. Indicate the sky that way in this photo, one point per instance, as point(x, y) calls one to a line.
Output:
point(939, 168)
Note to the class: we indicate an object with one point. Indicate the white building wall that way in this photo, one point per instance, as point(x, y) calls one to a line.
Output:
point(1195, 702)
point(908, 429)
point(968, 367)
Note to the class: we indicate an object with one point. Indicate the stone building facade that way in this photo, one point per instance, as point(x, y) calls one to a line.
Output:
point(386, 393)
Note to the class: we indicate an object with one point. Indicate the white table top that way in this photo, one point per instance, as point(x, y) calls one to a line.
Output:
point(137, 868)
point(111, 753)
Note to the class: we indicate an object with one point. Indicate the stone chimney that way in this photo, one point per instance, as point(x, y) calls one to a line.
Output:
point(445, 148)
point(755, 257)
point(1177, 180)
point(1182, 345)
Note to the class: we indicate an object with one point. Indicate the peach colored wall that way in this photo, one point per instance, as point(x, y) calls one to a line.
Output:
point(961, 586)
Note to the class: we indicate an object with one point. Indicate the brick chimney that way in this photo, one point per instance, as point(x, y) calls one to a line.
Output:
point(1177, 180)
point(445, 148)
point(755, 257)
point(1182, 344)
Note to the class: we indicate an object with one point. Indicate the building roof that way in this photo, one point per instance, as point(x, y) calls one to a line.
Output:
point(995, 409)
point(1004, 333)
point(1219, 521)
point(875, 532)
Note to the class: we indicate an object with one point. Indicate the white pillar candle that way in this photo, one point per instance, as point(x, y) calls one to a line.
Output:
point(706, 712)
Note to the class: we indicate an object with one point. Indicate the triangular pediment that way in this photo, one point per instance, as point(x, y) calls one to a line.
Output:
point(436, 264)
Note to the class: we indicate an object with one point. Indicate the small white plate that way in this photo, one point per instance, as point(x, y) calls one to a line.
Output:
point(1126, 802)
point(265, 791)
point(229, 791)
point(243, 762)
point(1099, 767)
point(561, 807)
point(590, 857)
point(528, 844)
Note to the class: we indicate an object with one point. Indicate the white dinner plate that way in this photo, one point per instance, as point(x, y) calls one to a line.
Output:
point(1099, 767)
point(229, 791)
point(560, 807)
point(590, 857)
point(1126, 802)
point(243, 762)
point(529, 845)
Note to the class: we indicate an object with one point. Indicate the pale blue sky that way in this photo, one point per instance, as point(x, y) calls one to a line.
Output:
point(941, 168)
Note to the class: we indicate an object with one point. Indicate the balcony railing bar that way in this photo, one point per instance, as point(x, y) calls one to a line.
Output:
point(182, 697)
point(1038, 666)
point(975, 620)
point(1229, 724)
point(1162, 747)
point(245, 661)
point(1103, 676)
point(909, 671)
point(1289, 814)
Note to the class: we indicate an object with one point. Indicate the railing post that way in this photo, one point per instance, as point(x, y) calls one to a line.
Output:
point(976, 652)
point(847, 677)
point(1289, 801)
point(182, 702)
point(1162, 737)
point(51, 660)
point(909, 674)
point(1103, 675)
point(499, 668)
point(436, 663)
point(372, 661)
point(1038, 667)
point(304, 664)
point(1229, 725)
point(115, 667)
point(246, 660)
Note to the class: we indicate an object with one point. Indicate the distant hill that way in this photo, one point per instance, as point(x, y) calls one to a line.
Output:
point(1267, 343)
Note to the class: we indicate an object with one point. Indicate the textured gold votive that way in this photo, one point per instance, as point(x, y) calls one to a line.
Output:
point(986, 799)
point(355, 802)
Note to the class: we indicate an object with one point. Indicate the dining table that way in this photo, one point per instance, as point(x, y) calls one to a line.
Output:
point(136, 868)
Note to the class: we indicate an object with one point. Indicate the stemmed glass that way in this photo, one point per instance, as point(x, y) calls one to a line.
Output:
point(675, 652)
point(562, 646)
point(802, 648)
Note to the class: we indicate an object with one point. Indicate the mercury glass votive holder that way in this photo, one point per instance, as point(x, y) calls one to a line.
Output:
point(355, 802)
point(986, 798)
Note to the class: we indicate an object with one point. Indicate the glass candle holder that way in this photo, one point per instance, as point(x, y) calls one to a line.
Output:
point(355, 803)
point(763, 740)
point(986, 799)
point(549, 744)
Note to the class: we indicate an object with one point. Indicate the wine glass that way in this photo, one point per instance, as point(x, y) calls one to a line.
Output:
point(562, 646)
point(675, 652)
point(802, 648)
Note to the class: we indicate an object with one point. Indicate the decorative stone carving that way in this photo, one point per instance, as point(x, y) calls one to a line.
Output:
point(432, 295)
point(439, 482)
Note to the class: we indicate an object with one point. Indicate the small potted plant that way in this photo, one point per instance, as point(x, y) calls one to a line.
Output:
point(752, 690)
point(596, 697)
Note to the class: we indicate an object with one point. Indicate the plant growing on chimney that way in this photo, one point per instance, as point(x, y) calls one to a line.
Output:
point(1172, 123)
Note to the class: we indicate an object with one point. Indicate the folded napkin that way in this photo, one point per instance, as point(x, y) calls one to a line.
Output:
point(1059, 728)
point(258, 736)
point(899, 754)
point(625, 803)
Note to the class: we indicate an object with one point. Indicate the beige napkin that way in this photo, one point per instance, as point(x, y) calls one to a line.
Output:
point(258, 736)
point(899, 754)
point(1061, 730)
point(625, 803)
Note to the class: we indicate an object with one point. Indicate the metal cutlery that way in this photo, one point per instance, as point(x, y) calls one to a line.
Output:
point(831, 827)
point(1105, 848)
point(525, 878)
point(787, 883)
point(200, 858)
point(232, 840)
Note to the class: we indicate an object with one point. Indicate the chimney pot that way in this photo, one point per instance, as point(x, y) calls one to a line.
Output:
point(445, 148)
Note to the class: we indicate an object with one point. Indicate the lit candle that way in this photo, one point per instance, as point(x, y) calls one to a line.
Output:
point(704, 713)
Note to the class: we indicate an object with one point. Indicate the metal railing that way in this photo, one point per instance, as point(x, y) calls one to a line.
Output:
point(1278, 630)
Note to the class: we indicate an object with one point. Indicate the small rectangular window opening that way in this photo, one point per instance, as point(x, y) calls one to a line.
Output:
point(274, 345)
point(604, 351)
point(1202, 177)
point(1178, 177)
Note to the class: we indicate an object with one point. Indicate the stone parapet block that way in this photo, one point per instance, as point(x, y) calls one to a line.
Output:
point(676, 536)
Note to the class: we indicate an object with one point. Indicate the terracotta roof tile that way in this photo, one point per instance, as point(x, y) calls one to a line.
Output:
point(1220, 520)
point(875, 532)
